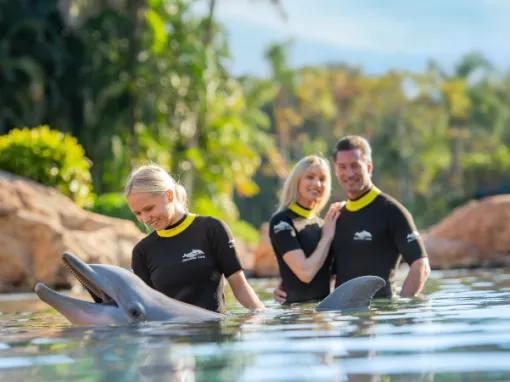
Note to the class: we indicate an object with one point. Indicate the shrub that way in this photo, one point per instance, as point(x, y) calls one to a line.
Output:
point(49, 157)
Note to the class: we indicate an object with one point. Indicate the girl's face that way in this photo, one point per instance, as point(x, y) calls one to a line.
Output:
point(311, 186)
point(156, 210)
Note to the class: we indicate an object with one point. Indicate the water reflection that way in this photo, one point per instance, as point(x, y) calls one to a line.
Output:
point(458, 332)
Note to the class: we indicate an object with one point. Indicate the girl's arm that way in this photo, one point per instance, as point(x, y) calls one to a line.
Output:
point(244, 292)
point(305, 268)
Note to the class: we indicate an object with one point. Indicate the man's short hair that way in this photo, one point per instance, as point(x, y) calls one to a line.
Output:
point(353, 142)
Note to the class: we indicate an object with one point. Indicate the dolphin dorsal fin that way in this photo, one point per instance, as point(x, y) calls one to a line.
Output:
point(355, 293)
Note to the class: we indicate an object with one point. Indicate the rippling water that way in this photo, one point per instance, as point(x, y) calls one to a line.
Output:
point(459, 332)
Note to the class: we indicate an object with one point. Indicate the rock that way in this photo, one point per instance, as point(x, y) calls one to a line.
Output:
point(476, 234)
point(38, 224)
point(265, 264)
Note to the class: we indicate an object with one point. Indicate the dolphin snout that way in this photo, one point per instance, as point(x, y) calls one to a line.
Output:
point(40, 288)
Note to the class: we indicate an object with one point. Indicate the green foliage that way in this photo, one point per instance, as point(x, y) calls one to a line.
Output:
point(112, 204)
point(487, 168)
point(198, 122)
point(228, 213)
point(34, 56)
point(437, 139)
point(139, 81)
point(245, 231)
point(49, 157)
point(134, 81)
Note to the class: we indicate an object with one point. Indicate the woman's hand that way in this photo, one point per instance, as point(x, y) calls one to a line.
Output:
point(328, 228)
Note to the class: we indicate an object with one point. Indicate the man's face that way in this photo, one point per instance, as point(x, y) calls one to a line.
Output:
point(353, 172)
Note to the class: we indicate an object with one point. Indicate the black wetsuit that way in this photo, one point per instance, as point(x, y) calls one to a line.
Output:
point(296, 228)
point(186, 261)
point(372, 234)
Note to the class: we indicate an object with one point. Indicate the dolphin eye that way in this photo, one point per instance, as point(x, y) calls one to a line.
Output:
point(136, 312)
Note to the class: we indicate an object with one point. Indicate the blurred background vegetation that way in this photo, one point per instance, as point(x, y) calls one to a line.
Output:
point(129, 81)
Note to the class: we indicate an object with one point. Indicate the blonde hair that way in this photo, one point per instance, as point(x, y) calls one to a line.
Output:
point(289, 192)
point(154, 179)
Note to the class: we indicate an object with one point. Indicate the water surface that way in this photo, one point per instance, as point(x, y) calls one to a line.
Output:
point(459, 332)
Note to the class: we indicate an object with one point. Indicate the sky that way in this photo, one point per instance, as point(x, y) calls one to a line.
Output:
point(376, 35)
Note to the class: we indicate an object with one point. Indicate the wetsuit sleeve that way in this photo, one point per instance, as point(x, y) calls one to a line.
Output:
point(224, 249)
point(139, 265)
point(283, 236)
point(405, 235)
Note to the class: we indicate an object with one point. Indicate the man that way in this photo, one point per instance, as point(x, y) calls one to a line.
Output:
point(374, 230)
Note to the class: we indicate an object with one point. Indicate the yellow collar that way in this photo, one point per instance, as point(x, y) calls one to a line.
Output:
point(301, 211)
point(174, 231)
point(365, 200)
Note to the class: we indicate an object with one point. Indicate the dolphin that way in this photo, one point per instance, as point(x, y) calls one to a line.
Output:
point(352, 294)
point(120, 297)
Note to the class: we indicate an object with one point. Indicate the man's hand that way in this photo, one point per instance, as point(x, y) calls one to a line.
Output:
point(279, 294)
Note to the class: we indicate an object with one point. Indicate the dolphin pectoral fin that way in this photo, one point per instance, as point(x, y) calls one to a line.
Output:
point(355, 293)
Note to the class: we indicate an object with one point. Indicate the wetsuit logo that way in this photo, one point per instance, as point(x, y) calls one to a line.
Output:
point(231, 243)
point(195, 254)
point(362, 236)
point(413, 236)
point(282, 226)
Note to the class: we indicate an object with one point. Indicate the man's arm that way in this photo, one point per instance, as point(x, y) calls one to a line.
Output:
point(418, 274)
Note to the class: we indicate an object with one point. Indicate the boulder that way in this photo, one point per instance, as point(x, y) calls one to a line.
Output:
point(475, 234)
point(38, 224)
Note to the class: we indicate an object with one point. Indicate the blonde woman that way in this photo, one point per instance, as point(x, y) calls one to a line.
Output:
point(186, 255)
point(300, 238)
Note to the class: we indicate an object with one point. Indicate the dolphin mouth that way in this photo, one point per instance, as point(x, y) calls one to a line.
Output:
point(88, 279)
point(104, 309)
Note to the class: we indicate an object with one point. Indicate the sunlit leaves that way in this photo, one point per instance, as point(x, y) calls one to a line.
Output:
point(455, 92)
point(49, 157)
point(157, 26)
point(436, 138)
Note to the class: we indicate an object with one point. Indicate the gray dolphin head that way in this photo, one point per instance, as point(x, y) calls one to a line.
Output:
point(120, 297)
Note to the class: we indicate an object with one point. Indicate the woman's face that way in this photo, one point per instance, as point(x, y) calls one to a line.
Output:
point(311, 186)
point(153, 209)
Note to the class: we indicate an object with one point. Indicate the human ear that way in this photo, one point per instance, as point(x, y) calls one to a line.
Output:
point(370, 167)
point(169, 196)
